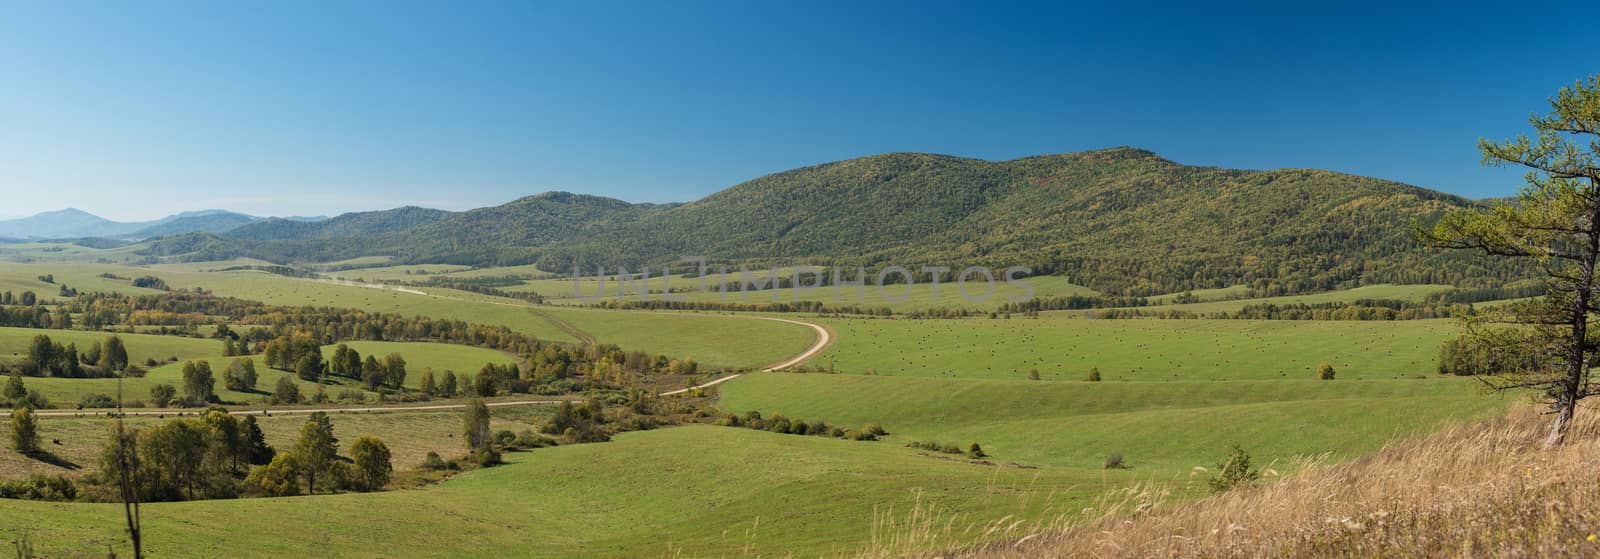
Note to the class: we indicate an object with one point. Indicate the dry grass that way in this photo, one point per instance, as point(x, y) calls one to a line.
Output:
point(1475, 490)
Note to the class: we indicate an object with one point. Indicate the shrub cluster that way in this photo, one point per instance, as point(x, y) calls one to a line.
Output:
point(40, 487)
point(973, 451)
point(780, 424)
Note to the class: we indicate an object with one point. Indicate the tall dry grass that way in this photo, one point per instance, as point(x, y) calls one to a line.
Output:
point(1476, 490)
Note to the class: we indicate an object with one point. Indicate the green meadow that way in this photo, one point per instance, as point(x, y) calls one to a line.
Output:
point(1066, 349)
point(1158, 426)
point(409, 435)
point(691, 491)
point(1231, 298)
point(714, 339)
point(1175, 395)
point(562, 290)
point(421, 356)
point(14, 344)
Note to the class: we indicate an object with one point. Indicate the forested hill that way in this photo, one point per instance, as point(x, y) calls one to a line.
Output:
point(1121, 220)
point(360, 224)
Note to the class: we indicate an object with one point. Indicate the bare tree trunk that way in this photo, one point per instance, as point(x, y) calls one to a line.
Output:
point(1558, 427)
point(1571, 387)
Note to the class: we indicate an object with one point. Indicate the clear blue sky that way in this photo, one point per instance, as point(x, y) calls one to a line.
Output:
point(138, 109)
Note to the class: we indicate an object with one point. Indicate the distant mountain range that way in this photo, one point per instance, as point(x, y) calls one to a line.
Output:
point(73, 223)
point(1122, 220)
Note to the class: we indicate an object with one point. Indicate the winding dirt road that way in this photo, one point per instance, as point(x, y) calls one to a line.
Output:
point(824, 339)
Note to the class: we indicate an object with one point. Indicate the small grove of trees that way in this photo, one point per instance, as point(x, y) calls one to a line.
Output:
point(578, 424)
point(314, 459)
point(240, 376)
point(1469, 355)
point(48, 358)
point(285, 392)
point(162, 395)
point(186, 458)
point(199, 385)
point(15, 394)
point(373, 372)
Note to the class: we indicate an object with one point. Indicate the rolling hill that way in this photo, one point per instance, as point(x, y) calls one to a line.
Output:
point(1122, 221)
point(356, 224)
point(73, 223)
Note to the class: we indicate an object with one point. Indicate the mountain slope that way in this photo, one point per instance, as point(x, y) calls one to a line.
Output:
point(355, 224)
point(212, 221)
point(1122, 220)
point(70, 222)
point(73, 223)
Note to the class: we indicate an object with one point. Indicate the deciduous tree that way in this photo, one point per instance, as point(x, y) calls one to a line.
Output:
point(372, 463)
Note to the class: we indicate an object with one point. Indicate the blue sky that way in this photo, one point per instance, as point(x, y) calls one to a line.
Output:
point(138, 109)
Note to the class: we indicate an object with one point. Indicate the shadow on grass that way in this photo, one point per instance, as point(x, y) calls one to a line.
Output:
point(53, 460)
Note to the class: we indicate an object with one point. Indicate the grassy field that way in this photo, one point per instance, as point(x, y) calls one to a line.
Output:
point(409, 435)
point(1175, 395)
point(730, 492)
point(14, 343)
point(561, 290)
point(1135, 349)
point(1167, 427)
point(65, 392)
point(718, 340)
point(1384, 291)
point(713, 339)
point(420, 356)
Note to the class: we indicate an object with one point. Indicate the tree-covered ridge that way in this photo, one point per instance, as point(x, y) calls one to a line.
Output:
point(1123, 221)
point(358, 224)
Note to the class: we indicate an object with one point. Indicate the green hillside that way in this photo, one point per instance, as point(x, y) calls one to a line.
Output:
point(1120, 221)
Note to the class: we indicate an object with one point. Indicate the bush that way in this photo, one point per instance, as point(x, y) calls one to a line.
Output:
point(97, 401)
point(279, 478)
point(1094, 375)
point(1325, 371)
point(162, 394)
point(935, 446)
point(975, 451)
point(528, 439)
point(778, 423)
point(1114, 461)
point(504, 438)
point(1234, 471)
point(434, 463)
point(486, 457)
point(874, 430)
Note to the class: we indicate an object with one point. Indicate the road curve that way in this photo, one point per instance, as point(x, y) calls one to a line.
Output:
point(824, 339)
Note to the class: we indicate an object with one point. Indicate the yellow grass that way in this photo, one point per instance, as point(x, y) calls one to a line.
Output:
point(1483, 489)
